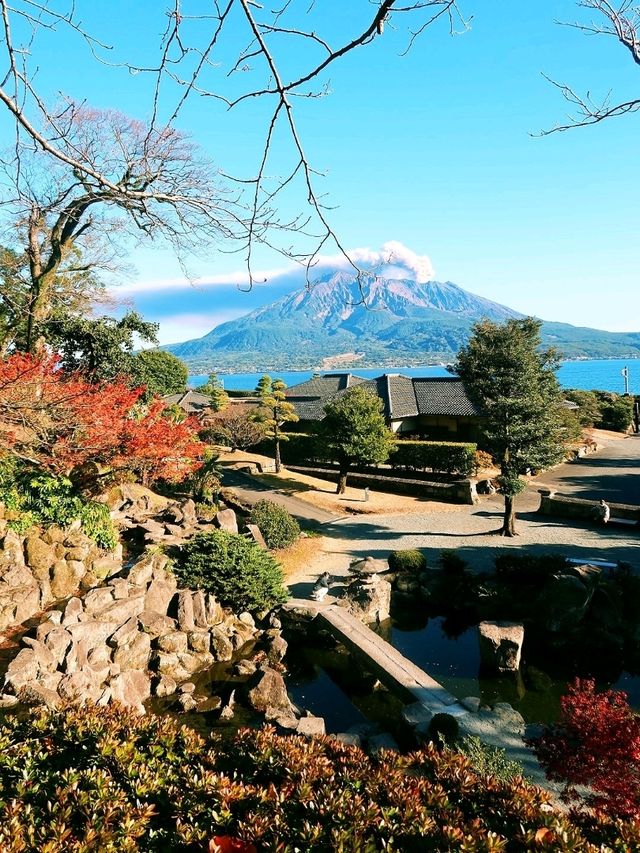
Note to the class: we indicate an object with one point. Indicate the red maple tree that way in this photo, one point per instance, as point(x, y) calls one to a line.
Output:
point(61, 422)
point(596, 743)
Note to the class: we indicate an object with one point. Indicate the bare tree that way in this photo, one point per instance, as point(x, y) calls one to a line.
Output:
point(621, 21)
point(149, 174)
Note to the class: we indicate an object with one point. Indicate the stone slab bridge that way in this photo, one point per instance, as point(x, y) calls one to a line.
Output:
point(500, 726)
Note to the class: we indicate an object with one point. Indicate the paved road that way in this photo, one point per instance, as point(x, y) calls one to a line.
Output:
point(611, 473)
point(251, 490)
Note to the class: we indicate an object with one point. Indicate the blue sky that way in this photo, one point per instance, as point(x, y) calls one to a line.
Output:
point(433, 149)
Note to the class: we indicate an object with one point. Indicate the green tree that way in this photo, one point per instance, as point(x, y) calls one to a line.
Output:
point(101, 347)
point(162, 372)
point(354, 432)
point(513, 383)
point(616, 412)
point(214, 389)
point(589, 412)
point(274, 412)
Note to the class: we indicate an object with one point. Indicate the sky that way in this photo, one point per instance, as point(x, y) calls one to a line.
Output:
point(438, 151)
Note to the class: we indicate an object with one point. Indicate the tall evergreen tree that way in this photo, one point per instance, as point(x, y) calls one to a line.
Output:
point(513, 383)
point(214, 389)
point(275, 411)
point(354, 432)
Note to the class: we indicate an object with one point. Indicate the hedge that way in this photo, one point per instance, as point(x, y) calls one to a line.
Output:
point(446, 457)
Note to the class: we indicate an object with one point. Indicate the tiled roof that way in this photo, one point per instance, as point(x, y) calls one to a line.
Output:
point(443, 395)
point(190, 401)
point(311, 397)
point(402, 396)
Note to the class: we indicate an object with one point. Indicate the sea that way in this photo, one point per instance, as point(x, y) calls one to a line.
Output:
point(602, 374)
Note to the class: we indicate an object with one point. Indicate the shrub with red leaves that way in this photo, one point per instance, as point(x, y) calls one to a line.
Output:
point(596, 743)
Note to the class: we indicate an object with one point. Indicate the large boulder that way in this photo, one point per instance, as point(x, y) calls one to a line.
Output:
point(369, 598)
point(226, 520)
point(267, 693)
point(501, 645)
point(564, 600)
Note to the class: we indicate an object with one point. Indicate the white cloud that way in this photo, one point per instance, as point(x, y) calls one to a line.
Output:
point(393, 257)
point(183, 327)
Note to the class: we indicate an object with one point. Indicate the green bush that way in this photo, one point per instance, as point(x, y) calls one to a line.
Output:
point(277, 525)
point(489, 760)
point(616, 412)
point(104, 779)
point(299, 448)
point(36, 498)
point(447, 457)
point(527, 569)
point(409, 560)
point(238, 572)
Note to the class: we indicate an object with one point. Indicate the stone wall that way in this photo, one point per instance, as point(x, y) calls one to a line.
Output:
point(563, 507)
point(134, 636)
point(42, 567)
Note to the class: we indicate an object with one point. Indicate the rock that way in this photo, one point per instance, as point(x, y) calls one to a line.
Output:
point(245, 667)
point(255, 534)
point(416, 714)
point(267, 694)
point(189, 514)
point(35, 693)
point(97, 599)
point(134, 655)
point(131, 689)
point(22, 669)
point(105, 566)
point(369, 598)
point(381, 742)
point(151, 526)
point(155, 624)
point(347, 739)
point(187, 687)
point(7, 701)
point(311, 726)
point(228, 711)
point(40, 555)
point(247, 619)
point(72, 611)
point(58, 641)
point(187, 702)
point(45, 657)
point(175, 642)
point(226, 520)
point(121, 611)
point(214, 612)
point(407, 583)
point(165, 686)
point(277, 649)
point(142, 572)
point(92, 632)
point(79, 553)
point(199, 609)
point(54, 534)
point(63, 579)
point(119, 588)
point(471, 703)
point(501, 645)
point(200, 641)
point(563, 602)
point(185, 610)
point(174, 530)
point(159, 594)
point(220, 645)
point(125, 633)
point(79, 687)
point(99, 662)
point(288, 724)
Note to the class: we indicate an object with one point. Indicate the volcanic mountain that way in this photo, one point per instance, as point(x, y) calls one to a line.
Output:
point(369, 320)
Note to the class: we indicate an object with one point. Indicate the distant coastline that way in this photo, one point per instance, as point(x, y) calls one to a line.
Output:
point(603, 374)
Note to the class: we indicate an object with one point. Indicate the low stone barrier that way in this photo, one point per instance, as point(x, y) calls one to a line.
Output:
point(579, 508)
point(458, 492)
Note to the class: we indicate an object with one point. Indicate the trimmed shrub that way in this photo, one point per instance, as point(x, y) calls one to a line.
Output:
point(105, 779)
point(238, 572)
point(446, 457)
point(277, 525)
point(489, 760)
point(527, 569)
point(409, 560)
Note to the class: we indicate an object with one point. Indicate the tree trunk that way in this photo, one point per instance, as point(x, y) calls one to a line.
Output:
point(342, 481)
point(277, 456)
point(509, 523)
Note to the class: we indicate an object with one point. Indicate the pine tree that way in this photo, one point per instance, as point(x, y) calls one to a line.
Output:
point(214, 389)
point(274, 412)
point(513, 383)
point(354, 432)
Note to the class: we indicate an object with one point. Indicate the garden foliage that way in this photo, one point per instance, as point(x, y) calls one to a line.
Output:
point(278, 527)
point(596, 743)
point(88, 779)
point(409, 560)
point(238, 572)
point(447, 457)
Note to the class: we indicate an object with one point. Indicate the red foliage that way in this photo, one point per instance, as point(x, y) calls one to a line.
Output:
point(595, 743)
point(61, 422)
point(227, 844)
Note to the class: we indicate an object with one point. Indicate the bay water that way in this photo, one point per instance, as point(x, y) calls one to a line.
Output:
point(604, 374)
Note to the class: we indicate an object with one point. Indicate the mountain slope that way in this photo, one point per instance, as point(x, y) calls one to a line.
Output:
point(385, 322)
